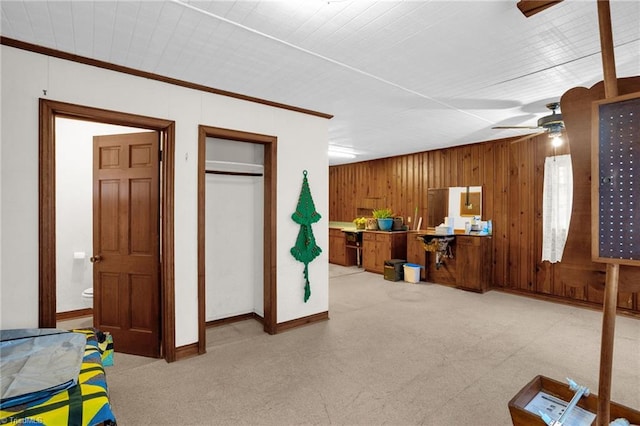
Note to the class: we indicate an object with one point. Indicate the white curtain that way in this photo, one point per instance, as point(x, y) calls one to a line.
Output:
point(557, 198)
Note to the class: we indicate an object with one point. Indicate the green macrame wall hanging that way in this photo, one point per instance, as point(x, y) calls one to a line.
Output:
point(305, 249)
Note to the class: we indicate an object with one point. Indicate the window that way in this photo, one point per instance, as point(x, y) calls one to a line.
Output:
point(557, 199)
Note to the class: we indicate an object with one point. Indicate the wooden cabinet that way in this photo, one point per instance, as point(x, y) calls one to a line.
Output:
point(416, 253)
point(378, 246)
point(473, 262)
point(338, 252)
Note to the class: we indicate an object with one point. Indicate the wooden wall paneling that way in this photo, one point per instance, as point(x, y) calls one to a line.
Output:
point(348, 191)
point(417, 188)
point(544, 270)
point(398, 183)
point(513, 211)
point(434, 176)
point(416, 181)
point(454, 173)
point(373, 179)
point(430, 181)
point(333, 182)
point(337, 191)
point(501, 226)
point(359, 180)
point(394, 175)
point(438, 177)
point(363, 172)
point(464, 165)
point(472, 164)
point(388, 187)
point(443, 168)
point(520, 210)
point(512, 178)
point(487, 180)
point(526, 193)
point(335, 197)
point(406, 187)
point(411, 186)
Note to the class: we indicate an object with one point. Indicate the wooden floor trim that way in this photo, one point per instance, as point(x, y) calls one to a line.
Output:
point(299, 322)
point(78, 313)
point(236, 318)
point(564, 301)
point(186, 351)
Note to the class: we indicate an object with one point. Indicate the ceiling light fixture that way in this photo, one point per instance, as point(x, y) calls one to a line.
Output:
point(556, 141)
point(340, 152)
point(341, 155)
point(555, 134)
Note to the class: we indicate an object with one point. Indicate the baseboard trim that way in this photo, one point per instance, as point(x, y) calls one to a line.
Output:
point(235, 318)
point(299, 322)
point(187, 351)
point(78, 313)
point(192, 349)
point(564, 301)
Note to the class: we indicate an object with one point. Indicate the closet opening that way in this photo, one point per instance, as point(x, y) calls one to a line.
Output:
point(236, 229)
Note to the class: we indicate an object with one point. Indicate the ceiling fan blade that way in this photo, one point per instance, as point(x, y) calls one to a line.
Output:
point(527, 137)
point(531, 7)
point(515, 127)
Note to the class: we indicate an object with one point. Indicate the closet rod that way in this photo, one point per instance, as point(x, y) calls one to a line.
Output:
point(220, 172)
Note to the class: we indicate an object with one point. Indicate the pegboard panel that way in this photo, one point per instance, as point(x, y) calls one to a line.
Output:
point(616, 195)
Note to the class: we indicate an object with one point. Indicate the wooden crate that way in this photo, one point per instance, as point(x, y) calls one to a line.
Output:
point(522, 417)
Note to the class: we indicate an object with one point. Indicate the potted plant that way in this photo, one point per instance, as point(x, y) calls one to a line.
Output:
point(384, 217)
point(360, 222)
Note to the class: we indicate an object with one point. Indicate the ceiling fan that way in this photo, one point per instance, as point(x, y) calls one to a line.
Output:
point(531, 7)
point(551, 124)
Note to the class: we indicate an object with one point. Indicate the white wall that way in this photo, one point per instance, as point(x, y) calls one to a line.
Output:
point(302, 144)
point(74, 207)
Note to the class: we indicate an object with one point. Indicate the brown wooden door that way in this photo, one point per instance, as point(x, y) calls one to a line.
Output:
point(126, 241)
point(369, 251)
point(416, 253)
point(469, 262)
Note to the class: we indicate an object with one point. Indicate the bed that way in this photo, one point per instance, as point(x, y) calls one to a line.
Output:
point(55, 377)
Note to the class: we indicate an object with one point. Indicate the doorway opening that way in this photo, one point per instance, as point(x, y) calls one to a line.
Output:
point(267, 174)
point(49, 111)
point(74, 218)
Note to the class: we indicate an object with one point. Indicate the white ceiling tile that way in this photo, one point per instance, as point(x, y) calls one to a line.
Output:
point(425, 74)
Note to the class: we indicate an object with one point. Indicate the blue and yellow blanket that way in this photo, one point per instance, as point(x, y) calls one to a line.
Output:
point(83, 403)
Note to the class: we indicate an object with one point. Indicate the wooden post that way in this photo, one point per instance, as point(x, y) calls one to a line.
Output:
point(606, 343)
point(606, 45)
point(612, 277)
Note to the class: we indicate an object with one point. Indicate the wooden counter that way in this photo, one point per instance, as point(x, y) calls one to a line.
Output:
point(338, 252)
point(378, 246)
point(470, 268)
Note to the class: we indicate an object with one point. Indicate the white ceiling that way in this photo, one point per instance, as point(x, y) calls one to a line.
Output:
point(398, 76)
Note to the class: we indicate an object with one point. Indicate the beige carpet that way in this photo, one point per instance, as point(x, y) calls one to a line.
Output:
point(392, 353)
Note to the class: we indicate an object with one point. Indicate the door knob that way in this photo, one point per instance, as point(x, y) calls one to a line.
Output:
point(95, 259)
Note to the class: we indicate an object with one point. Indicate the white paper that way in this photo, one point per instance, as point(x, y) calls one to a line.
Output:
point(554, 407)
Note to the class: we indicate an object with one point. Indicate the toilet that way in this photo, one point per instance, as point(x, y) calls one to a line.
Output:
point(87, 297)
